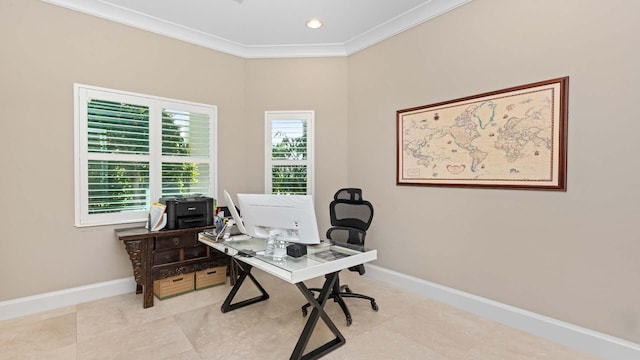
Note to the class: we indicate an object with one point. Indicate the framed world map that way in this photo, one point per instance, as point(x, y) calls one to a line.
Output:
point(510, 138)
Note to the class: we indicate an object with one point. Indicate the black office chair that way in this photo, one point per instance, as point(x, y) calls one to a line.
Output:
point(350, 217)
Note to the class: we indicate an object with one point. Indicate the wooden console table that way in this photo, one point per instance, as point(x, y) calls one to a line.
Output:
point(157, 255)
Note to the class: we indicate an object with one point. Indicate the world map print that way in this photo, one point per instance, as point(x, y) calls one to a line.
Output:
point(505, 139)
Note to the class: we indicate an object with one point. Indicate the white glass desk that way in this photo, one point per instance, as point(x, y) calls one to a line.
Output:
point(326, 260)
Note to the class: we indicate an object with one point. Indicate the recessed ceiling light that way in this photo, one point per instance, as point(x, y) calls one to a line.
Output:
point(314, 23)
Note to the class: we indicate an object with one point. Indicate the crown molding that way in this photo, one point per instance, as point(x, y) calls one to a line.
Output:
point(403, 22)
point(416, 16)
point(294, 51)
point(151, 24)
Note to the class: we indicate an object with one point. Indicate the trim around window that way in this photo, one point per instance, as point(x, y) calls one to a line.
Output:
point(289, 152)
point(132, 149)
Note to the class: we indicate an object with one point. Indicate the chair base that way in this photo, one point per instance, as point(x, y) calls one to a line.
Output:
point(337, 294)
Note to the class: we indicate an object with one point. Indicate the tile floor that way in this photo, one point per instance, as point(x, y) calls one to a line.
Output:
point(191, 326)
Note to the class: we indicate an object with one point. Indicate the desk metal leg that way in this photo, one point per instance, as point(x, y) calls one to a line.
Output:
point(316, 313)
point(245, 270)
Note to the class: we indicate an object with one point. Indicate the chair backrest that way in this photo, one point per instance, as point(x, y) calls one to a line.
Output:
point(350, 217)
point(348, 209)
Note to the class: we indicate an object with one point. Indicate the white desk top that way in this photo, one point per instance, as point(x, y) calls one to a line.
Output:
point(317, 262)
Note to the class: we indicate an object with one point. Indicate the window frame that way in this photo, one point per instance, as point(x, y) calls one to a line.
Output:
point(82, 95)
point(309, 117)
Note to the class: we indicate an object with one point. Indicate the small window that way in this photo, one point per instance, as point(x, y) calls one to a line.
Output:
point(132, 149)
point(289, 152)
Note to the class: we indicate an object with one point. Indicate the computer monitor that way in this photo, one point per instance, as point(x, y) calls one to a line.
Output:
point(236, 217)
point(291, 217)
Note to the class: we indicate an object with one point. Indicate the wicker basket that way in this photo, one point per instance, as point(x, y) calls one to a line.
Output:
point(211, 277)
point(173, 286)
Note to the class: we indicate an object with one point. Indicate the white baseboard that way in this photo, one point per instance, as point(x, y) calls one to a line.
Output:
point(579, 338)
point(586, 340)
point(57, 299)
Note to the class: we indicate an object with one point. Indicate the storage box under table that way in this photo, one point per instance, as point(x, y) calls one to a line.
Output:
point(211, 277)
point(174, 285)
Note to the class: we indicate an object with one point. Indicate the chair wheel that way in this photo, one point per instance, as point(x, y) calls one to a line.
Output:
point(374, 306)
point(347, 290)
point(349, 320)
point(304, 312)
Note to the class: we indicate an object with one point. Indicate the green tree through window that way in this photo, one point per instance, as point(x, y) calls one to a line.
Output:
point(289, 178)
point(124, 128)
point(132, 149)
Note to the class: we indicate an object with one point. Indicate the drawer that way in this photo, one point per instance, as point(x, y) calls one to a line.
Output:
point(195, 252)
point(178, 241)
point(166, 256)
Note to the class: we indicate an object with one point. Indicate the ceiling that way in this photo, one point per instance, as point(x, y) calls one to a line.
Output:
point(270, 28)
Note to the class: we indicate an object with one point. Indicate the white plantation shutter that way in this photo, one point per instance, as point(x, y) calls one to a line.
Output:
point(185, 153)
point(289, 152)
point(117, 156)
point(132, 149)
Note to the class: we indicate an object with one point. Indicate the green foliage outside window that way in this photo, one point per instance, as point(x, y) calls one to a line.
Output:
point(289, 178)
point(118, 185)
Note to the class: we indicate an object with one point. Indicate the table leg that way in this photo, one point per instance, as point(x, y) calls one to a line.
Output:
point(245, 271)
point(316, 313)
point(147, 261)
point(233, 273)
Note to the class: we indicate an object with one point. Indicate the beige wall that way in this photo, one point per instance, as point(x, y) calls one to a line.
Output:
point(45, 49)
point(570, 255)
point(302, 84)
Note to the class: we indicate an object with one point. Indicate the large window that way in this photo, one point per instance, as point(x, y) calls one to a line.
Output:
point(132, 149)
point(289, 152)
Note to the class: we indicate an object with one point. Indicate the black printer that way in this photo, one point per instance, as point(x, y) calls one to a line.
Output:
point(188, 212)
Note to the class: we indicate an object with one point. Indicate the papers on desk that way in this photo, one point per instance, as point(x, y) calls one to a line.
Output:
point(323, 246)
point(329, 255)
point(210, 235)
point(157, 217)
